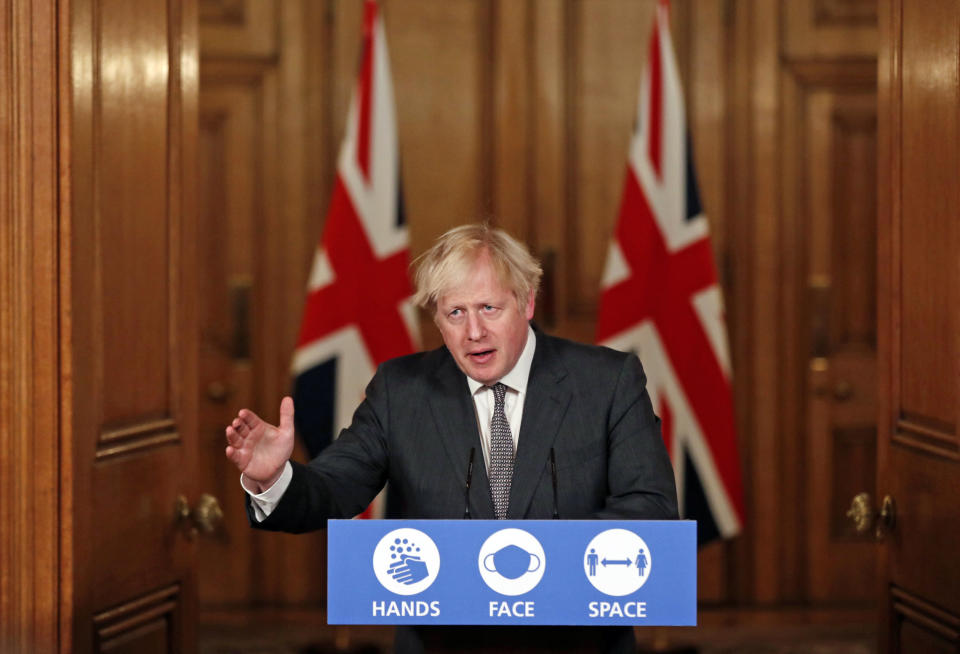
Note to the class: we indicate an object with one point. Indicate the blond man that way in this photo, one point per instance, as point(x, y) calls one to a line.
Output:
point(565, 430)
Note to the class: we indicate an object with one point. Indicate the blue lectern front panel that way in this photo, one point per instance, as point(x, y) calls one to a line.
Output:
point(536, 572)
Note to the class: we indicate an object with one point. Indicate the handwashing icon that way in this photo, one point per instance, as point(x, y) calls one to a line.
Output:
point(511, 562)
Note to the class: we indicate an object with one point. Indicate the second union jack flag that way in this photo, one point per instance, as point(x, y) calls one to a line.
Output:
point(660, 298)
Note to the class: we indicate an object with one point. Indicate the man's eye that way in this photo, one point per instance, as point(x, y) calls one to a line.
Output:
point(455, 313)
point(489, 307)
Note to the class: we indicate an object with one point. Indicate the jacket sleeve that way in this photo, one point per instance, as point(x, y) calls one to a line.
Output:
point(639, 474)
point(344, 478)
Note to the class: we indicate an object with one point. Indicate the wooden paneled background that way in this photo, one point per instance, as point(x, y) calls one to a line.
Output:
point(165, 167)
point(521, 111)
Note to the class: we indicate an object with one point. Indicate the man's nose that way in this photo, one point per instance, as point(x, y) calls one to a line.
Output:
point(475, 328)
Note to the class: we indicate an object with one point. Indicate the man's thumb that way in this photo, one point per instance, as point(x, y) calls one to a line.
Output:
point(286, 414)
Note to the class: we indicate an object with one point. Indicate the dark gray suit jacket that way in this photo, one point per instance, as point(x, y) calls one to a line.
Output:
point(415, 430)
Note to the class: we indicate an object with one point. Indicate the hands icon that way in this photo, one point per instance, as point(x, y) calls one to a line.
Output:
point(408, 570)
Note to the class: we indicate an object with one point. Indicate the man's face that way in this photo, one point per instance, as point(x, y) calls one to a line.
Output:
point(482, 325)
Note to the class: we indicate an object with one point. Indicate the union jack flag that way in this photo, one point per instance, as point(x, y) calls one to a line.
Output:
point(660, 299)
point(358, 311)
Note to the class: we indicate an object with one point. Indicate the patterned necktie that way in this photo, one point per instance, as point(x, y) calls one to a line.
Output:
point(501, 454)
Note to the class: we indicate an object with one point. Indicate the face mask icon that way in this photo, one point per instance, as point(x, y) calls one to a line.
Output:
point(511, 562)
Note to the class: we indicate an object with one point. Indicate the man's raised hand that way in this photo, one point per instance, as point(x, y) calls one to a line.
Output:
point(257, 448)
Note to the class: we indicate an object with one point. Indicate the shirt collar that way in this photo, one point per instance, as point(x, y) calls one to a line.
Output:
point(520, 373)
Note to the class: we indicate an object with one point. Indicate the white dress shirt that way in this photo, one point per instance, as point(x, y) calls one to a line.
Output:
point(516, 383)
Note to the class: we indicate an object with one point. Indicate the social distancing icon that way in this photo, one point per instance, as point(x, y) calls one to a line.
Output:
point(617, 562)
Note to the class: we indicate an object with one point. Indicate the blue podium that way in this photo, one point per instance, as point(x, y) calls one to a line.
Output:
point(512, 572)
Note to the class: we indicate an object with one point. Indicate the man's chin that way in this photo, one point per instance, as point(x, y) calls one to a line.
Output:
point(485, 374)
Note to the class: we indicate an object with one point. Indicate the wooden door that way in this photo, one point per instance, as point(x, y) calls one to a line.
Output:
point(919, 322)
point(129, 335)
point(833, 211)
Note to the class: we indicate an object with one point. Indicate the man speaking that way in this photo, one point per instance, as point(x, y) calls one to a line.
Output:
point(564, 429)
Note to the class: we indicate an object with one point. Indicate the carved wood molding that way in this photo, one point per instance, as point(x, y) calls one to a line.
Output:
point(137, 437)
point(845, 12)
point(832, 29)
point(928, 435)
point(226, 12)
point(221, 72)
point(152, 617)
point(239, 28)
point(857, 72)
point(938, 623)
point(29, 335)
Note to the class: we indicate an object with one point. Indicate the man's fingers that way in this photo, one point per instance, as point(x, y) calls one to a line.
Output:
point(236, 456)
point(233, 454)
point(242, 428)
point(248, 418)
point(233, 437)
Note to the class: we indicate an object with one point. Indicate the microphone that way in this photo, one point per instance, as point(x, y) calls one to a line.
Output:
point(553, 473)
point(466, 490)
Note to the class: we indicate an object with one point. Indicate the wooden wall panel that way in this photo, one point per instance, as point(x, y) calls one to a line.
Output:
point(439, 57)
point(928, 381)
point(757, 341)
point(609, 44)
point(737, 202)
point(511, 71)
point(855, 145)
point(548, 173)
point(34, 598)
point(132, 233)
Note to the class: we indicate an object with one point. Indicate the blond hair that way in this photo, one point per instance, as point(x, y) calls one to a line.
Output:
point(450, 260)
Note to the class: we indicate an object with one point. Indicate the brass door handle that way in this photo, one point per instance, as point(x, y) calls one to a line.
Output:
point(218, 392)
point(206, 517)
point(864, 517)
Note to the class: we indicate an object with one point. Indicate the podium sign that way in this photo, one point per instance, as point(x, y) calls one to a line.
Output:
point(512, 572)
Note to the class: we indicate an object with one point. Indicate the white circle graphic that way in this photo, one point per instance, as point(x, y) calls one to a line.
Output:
point(406, 561)
point(511, 562)
point(617, 562)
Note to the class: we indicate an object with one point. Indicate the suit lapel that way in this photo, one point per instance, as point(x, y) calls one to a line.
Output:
point(543, 411)
point(455, 415)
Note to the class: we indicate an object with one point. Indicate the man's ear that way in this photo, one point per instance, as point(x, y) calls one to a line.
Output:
point(531, 305)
